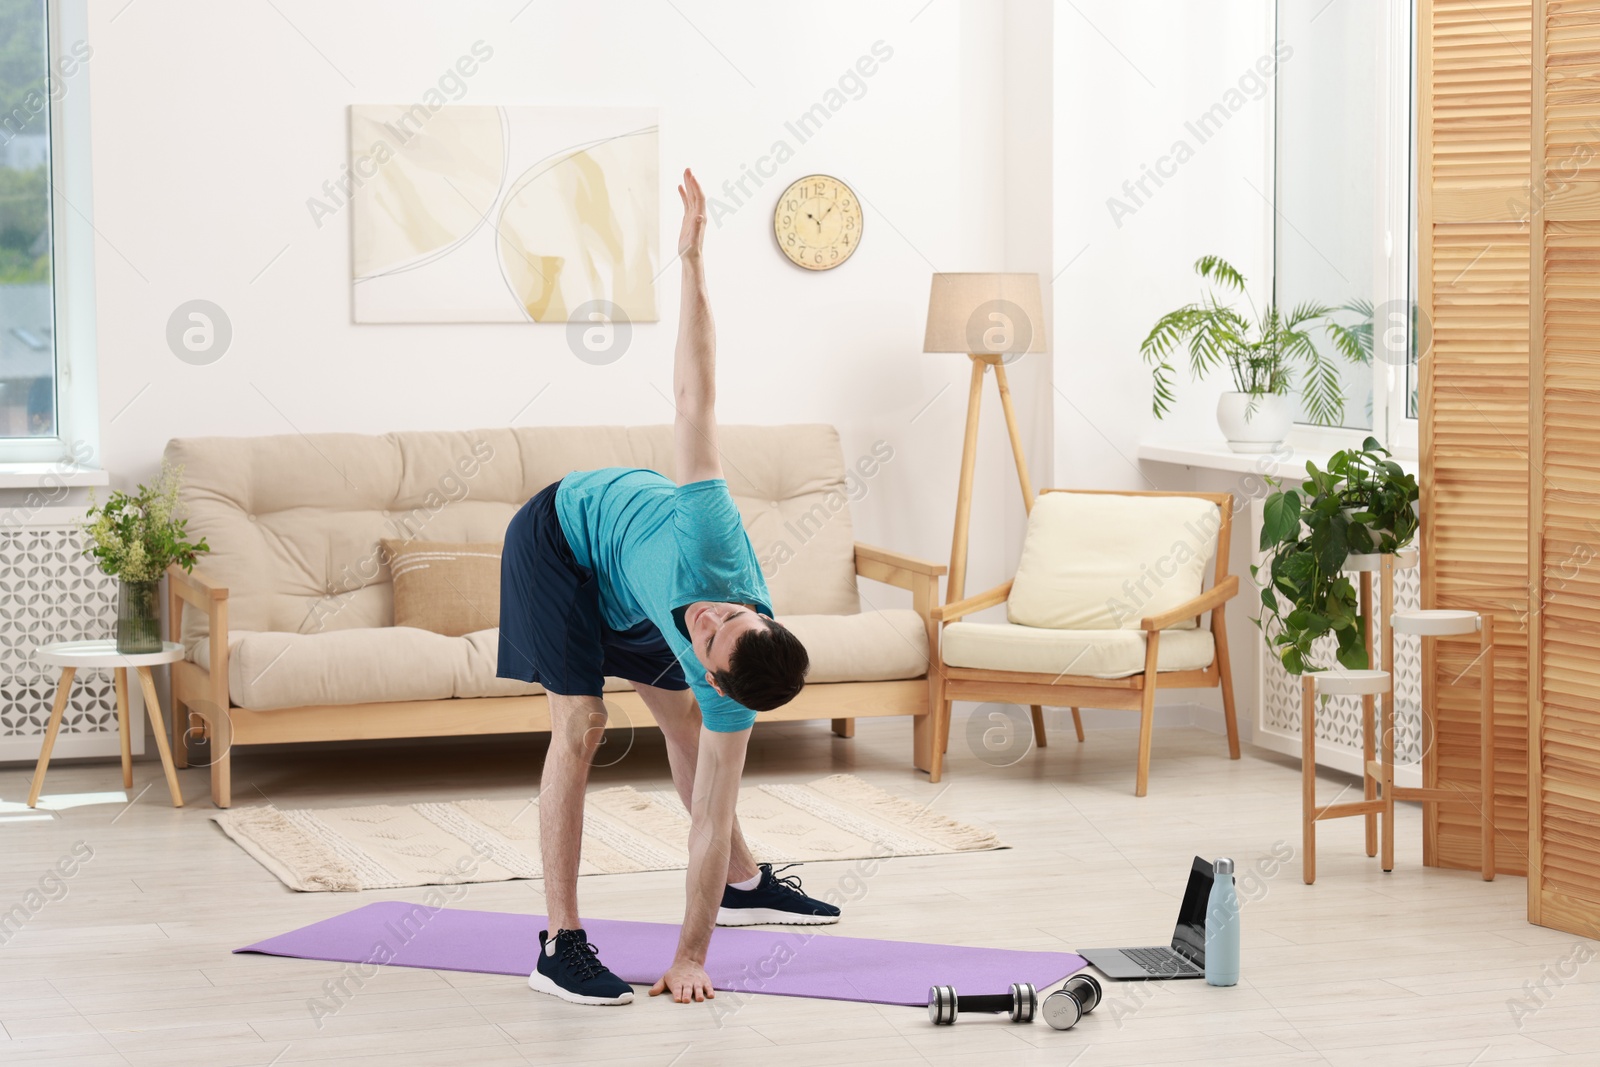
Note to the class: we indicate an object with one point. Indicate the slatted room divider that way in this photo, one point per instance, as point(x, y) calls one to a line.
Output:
point(1474, 133)
point(1564, 470)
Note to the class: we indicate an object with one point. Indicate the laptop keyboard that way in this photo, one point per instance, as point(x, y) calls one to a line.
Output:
point(1160, 961)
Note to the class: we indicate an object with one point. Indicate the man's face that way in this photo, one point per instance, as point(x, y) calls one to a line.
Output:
point(715, 628)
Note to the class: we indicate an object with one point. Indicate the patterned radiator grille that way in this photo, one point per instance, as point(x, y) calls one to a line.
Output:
point(51, 590)
point(1339, 718)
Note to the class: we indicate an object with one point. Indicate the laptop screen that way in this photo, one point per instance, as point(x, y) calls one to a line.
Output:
point(1189, 937)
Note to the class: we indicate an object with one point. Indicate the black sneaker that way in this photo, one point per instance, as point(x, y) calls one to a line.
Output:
point(572, 971)
point(773, 900)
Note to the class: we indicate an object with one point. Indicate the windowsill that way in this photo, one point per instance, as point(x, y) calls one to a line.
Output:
point(1215, 455)
point(54, 475)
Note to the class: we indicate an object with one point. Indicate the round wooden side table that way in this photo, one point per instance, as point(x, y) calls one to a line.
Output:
point(71, 656)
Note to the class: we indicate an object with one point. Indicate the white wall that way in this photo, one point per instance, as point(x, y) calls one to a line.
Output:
point(214, 123)
point(991, 140)
point(1030, 202)
point(1129, 76)
point(1123, 95)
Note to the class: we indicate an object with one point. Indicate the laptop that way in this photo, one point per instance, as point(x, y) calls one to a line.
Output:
point(1184, 958)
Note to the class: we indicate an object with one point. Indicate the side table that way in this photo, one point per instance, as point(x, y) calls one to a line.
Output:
point(71, 656)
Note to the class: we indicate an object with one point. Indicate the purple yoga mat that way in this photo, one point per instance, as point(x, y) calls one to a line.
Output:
point(791, 962)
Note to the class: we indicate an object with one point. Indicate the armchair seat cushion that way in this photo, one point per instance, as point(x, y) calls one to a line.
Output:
point(1085, 653)
point(274, 669)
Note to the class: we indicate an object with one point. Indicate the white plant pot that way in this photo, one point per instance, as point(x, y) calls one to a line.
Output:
point(1349, 514)
point(1261, 429)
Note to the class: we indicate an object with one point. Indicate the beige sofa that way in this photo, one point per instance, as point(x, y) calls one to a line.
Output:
point(288, 622)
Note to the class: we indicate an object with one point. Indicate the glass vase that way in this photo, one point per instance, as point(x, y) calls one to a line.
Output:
point(138, 617)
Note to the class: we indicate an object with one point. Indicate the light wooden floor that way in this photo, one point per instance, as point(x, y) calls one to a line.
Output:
point(132, 965)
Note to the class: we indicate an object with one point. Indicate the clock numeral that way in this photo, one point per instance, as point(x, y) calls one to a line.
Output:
point(819, 257)
point(849, 224)
point(833, 253)
point(791, 240)
point(788, 219)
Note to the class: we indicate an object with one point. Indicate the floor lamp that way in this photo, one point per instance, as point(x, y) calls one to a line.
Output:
point(993, 318)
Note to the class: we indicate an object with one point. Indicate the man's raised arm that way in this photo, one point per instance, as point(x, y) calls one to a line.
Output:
point(694, 369)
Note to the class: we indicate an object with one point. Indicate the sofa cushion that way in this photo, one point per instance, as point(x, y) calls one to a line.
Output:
point(872, 646)
point(1104, 561)
point(377, 664)
point(445, 587)
point(1090, 653)
point(370, 665)
point(294, 520)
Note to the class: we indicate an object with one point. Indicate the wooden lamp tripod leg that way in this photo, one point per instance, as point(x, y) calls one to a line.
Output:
point(1016, 436)
point(956, 584)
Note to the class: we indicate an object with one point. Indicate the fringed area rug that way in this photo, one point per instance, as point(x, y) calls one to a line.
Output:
point(320, 850)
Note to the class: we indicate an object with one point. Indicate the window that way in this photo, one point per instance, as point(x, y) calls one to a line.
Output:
point(46, 296)
point(1342, 213)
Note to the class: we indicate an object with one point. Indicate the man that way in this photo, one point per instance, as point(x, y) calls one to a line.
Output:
point(622, 572)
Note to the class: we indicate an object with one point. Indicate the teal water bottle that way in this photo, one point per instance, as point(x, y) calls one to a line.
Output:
point(1222, 927)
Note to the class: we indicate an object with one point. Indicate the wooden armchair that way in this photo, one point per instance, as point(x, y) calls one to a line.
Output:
point(1103, 612)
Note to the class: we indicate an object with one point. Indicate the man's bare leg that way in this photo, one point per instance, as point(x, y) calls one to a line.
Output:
point(678, 715)
point(577, 726)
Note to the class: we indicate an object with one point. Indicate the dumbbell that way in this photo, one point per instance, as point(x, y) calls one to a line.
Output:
point(1080, 996)
point(944, 1005)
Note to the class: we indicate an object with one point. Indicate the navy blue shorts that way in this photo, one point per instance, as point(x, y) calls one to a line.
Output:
point(551, 628)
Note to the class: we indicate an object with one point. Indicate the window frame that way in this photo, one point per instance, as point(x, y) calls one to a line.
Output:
point(1392, 238)
point(76, 442)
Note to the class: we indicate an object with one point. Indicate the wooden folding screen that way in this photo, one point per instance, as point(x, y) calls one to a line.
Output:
point(1474, 132)
point(1564, 470)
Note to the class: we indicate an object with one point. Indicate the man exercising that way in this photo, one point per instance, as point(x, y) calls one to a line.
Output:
point(623, 572)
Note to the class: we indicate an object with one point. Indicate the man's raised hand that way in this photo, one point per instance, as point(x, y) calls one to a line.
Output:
point(694, 215)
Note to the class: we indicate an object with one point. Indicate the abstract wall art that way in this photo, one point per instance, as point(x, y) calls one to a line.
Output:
point(503, 214)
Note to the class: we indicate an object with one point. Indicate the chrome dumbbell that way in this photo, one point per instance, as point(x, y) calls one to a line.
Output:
point(944, 1005)
point(1080, 996)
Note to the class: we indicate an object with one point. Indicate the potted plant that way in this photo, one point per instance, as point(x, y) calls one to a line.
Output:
point(1261, 354)
point(1362, 503)
point(135, 538)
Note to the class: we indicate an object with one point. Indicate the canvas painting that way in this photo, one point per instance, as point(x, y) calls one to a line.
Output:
point(503, 214)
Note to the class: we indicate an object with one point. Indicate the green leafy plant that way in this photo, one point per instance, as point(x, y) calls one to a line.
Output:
point(1362, 503)
point(1262, 352)
point(136, 537)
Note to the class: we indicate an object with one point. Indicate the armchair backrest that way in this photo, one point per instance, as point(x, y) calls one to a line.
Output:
point(1098, 560)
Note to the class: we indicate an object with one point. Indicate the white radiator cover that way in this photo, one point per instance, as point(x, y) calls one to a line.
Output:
point(51, 589)
point(1339, 718)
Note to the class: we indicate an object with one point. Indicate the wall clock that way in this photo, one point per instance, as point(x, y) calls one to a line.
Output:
point(817, 222)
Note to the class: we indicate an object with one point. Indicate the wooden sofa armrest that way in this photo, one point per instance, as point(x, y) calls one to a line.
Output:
point(194, 588)
point(203, 692)
point(212, 599)
point(894, 568)
point(977, 602)
point(1214, 597)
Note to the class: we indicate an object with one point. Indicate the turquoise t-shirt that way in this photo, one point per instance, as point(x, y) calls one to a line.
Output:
point(656, 547)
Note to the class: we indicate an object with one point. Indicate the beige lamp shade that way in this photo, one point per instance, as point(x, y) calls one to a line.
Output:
point(985, 315)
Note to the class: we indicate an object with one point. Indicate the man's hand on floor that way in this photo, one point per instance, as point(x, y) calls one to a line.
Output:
point(686, 980)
